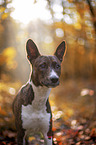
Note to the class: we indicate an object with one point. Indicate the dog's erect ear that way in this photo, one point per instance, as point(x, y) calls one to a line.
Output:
point(60, 51)
point(32, 50)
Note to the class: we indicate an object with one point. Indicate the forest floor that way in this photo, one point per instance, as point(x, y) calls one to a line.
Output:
point(63, 135)
point(74, 116)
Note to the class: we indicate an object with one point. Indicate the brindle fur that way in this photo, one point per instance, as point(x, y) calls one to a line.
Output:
point(26, 94)
point(43, 77)
point(25, 97)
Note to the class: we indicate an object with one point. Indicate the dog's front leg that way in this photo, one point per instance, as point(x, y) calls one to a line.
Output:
point(21, 138)
point(48, 137)
point(47, 141)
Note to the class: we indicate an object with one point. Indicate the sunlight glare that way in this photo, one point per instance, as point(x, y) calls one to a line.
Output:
point(58, 16)
point(12, 91)
point(48, 39)
point(59, 32)
point(68, 19)
point(85, 92)
point(57, 8)
point(26, 10)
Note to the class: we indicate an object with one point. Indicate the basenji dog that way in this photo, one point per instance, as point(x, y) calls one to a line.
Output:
point(31, 106)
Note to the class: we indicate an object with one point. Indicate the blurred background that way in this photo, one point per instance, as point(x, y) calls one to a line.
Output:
point(48, 23)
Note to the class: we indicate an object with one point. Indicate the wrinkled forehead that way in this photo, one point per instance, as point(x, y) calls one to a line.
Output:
point(46, 59)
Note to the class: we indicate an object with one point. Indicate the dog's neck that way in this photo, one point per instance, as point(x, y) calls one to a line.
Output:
point(41, 94)
point(35, 81)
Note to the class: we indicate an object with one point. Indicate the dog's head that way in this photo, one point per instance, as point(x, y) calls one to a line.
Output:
point(46, 69)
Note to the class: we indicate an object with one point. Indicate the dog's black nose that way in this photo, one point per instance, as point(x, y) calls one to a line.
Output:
point(54, 80)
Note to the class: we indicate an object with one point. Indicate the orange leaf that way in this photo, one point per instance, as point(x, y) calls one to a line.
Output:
point(58, 139)
point(93, 132)
point(53, 129)
point(2, 112)
point(60, 143)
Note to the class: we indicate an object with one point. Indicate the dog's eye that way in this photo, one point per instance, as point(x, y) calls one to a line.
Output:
point(43, 65)
point(57, 66)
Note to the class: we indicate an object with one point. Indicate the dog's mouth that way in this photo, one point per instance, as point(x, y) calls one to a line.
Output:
point(50, 84)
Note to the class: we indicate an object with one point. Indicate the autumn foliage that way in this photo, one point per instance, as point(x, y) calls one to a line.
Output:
point(74, 101)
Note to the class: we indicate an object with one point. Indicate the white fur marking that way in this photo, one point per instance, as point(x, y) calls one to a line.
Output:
point(47, 141)
point(35, 117)
point(53, 74)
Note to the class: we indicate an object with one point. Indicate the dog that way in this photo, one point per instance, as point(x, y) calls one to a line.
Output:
point(31, 106)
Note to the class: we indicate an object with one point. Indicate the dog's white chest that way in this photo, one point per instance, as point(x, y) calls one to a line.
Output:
point(35, 117)
point(35, 121)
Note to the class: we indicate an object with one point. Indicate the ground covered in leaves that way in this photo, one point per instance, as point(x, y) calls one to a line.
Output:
point(74, 114)
point(76, 134)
